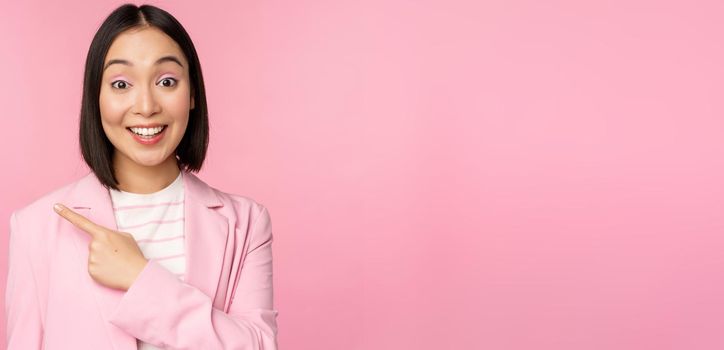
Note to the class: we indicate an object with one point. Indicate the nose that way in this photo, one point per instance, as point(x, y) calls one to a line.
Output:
point(146, 103)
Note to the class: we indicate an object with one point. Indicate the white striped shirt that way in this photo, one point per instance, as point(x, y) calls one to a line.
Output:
point(156, 221)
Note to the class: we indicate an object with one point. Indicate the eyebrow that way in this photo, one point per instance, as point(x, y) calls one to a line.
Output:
point(163, 59)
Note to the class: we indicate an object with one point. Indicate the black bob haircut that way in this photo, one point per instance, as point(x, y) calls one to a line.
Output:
point(96, 148)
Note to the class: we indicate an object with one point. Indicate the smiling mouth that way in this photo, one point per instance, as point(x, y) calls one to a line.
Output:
point(147, 132)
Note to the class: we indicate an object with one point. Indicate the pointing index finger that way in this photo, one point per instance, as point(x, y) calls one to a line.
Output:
point(78, 220)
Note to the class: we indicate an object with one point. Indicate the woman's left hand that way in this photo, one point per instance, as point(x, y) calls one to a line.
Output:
point(114, 258)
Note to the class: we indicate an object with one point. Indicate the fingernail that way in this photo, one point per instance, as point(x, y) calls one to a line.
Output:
point(57, 207)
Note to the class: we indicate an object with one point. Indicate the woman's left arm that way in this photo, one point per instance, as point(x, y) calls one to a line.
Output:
point(160, 309)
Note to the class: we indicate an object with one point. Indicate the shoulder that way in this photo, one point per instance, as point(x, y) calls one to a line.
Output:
point(227, 203)
point(244, 212)
point(31, 224)
point(252, 221)
point(242, 205)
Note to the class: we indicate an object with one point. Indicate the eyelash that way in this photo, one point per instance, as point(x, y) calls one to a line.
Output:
point(175, 81)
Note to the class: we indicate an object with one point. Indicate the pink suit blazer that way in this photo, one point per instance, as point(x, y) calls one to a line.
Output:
point(226, 301)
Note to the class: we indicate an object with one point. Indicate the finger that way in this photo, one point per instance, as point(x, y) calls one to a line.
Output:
point(78, 220)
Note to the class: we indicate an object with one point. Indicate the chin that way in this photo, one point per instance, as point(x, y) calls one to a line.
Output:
point(149, 161)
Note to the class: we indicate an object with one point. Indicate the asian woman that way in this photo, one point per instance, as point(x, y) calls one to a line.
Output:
point(140, 253)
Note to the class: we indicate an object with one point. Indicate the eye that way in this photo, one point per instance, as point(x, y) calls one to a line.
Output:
point(121, 84)
point(172, 80)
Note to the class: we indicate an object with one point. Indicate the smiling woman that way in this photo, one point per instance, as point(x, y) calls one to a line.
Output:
point(140, 252)
point(142, 72)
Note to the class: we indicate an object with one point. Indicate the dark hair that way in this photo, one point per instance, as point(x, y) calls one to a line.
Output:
point(95, 146)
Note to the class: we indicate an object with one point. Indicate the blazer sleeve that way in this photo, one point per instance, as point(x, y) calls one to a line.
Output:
point(23, 322)
point(182, 317)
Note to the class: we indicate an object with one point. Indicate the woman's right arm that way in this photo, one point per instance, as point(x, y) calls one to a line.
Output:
point(22, 309)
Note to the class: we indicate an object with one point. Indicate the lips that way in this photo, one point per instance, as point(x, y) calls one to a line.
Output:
point(149, 139)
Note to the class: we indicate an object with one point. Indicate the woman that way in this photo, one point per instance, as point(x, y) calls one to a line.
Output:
point(140, 253)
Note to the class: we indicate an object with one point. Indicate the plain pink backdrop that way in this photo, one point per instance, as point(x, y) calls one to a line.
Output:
point(440, 175)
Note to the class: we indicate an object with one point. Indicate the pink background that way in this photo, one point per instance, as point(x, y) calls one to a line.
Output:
point(440, 175)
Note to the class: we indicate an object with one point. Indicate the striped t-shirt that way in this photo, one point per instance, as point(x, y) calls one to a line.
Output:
point(156, 221)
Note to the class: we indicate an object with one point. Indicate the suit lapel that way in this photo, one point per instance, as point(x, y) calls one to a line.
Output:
point(206, 233)
point(205, 229)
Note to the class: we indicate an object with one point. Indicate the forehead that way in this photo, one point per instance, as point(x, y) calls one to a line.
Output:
point(143, 46)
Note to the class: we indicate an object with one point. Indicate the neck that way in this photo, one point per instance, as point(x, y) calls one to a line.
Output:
point(136, 178)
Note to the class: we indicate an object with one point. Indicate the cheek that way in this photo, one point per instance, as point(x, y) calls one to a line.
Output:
point(111, 109)
point(176, 106)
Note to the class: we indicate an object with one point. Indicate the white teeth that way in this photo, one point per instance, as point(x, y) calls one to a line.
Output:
point(147, 131)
